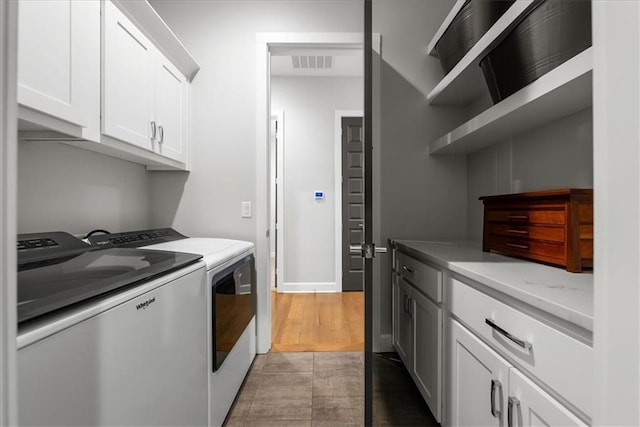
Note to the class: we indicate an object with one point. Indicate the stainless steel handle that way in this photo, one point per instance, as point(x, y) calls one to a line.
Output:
point(522, 343)
point(355, 249)
point(495, 384)
point(153, 129)
point(381, 250)
point(517, 246)
point(161, 130)
point(518, 216)
point(407, 269)
point(512, 231)
point(511, 406)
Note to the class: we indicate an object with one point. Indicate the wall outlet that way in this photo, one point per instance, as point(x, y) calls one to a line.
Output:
point(246, 210)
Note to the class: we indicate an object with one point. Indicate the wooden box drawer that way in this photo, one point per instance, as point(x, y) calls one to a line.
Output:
point(558, 360)
point(537, 232)
point(425, 278)
point(527, 216)
point(544, 251)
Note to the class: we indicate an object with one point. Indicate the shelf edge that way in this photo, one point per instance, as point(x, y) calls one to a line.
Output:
point(443, 27)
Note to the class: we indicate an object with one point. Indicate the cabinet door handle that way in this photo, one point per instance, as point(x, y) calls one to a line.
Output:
point(153, 129)
point(511, 408)
point(407, 269)
point(410, 311)
point(404, 302)
point(161, 131)
point(522, 343)
point(495, 384)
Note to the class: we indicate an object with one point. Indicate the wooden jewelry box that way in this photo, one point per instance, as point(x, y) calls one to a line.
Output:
point(553, 226)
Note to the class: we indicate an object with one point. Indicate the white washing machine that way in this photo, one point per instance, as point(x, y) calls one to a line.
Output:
point(231, 305)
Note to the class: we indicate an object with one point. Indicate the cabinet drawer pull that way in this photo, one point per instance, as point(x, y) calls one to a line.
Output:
point(407, 269)
point(495, 384)
point(512, 231)
point(161, 130)
point(518, 216)
point(153, 129)
point(522, 343)
point(511, 407)
point(517, 245)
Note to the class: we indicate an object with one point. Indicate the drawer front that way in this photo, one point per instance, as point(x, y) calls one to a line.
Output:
point(425, 278)
point(527, 216)
point(558, 360)
point(552, 252)
point(537, 232)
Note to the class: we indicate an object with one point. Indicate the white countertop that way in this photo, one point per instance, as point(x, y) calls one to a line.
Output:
point(568, 296)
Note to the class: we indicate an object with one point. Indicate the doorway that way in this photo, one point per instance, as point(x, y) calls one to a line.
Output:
point(309, 312)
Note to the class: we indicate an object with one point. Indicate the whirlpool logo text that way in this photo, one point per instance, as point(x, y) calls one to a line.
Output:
point(146, 304)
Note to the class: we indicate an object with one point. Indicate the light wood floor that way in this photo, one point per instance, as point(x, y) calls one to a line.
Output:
point(317, 322)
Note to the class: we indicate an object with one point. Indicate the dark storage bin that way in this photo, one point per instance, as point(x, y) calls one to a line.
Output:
point(552, 33)
point(468, 26)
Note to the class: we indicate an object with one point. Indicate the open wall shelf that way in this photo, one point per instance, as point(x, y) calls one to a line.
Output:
point(562, 91)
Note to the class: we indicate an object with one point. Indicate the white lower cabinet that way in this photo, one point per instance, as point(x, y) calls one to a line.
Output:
point(402, 325)
point(417, 332)
point(427, 350)
point(486, 390)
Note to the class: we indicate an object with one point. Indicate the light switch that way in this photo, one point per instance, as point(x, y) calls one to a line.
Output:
point(246, 210)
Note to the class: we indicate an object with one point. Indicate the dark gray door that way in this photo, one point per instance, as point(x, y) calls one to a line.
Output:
point(352, 202)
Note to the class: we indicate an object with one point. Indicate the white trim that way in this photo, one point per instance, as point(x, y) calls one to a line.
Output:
point(307, 287)
point(8, 212)
point(263, 42)
point(339, 114)
point(280, 261)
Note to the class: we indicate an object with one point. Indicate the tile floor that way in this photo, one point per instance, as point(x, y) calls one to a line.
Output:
point(326, 389)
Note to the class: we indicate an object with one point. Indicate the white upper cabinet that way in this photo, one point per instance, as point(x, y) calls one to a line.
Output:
point(171, 109)
point(128, 80)
point(144, 95)
point(59, 62)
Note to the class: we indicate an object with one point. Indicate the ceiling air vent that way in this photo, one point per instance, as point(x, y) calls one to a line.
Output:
point(312, 62)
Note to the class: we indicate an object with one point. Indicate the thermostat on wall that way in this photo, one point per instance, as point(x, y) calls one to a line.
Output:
point(318, 195)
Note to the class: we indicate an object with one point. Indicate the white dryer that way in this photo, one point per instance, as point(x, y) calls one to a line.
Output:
point(231, 305)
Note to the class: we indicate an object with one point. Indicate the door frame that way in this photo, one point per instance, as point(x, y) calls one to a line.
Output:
point(339, 115)
point(276, 224)
point(264, 42)
point(8, 212)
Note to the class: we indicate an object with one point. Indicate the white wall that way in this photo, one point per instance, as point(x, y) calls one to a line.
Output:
point(309, 104)
point(421, 196)
point(64, 188)
point(221, 35)
point(555, 156)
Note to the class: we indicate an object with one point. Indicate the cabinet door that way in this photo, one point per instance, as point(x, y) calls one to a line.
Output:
point(402, 325)
point(427, 350)
point(478, 382)
point(59, 59)
point(171, 110)
point(529, 405)
point(128, 73)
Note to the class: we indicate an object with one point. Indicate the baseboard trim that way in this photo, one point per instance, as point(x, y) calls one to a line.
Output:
point(307, 287)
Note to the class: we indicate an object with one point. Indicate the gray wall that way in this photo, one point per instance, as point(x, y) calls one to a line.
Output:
point(309, 105)
point(555, 156)
point(64, 188)
point(221, 35)
point(420, 196)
